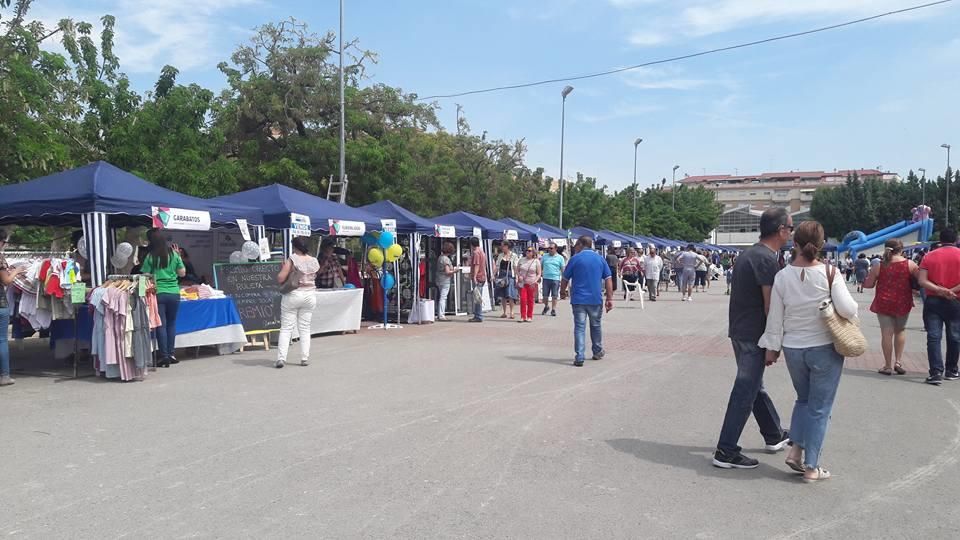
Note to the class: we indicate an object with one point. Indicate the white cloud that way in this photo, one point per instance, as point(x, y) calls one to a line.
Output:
point(706, 17)
point(623, 110)
point(667, 78)
point(182, 33)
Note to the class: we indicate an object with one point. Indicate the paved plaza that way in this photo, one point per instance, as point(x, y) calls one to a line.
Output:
point(457, 430)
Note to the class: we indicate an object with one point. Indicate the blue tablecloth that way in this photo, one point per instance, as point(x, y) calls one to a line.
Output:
point(194, 315)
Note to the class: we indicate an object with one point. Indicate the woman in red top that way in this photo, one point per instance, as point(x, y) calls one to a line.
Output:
point(892, 302)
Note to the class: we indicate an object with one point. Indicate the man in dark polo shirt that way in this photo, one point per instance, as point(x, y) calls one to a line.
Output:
point(751, 283)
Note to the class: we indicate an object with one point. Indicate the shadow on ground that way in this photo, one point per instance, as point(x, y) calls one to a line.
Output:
point(696, 459)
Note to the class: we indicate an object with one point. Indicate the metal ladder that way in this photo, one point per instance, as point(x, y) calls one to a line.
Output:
point(337, 190)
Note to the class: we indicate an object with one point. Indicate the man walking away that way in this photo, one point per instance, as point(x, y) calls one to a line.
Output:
point(686, 267)
point(940, 277)
point(652, 266)
point(614, 263)
point(590, 273)
point(552, 264)
point(478, 273)
point(752, 282)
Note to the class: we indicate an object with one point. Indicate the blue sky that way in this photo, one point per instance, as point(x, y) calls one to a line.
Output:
point(881, 93)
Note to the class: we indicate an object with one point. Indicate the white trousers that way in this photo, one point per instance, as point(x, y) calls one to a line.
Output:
point(296, 308)
point(442, 301)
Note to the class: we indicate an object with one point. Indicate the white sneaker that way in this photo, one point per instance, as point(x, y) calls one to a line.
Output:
point(6, 381)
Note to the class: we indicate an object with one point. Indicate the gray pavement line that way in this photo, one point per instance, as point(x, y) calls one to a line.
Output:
point(949, 456)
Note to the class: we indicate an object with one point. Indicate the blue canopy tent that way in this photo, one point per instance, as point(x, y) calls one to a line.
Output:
point(534, 232)
point(489, 228)
point(100, 196)
point(608, 238)
point(553, 234)
point(577, 232)
point(278, 202)
point(408, 222)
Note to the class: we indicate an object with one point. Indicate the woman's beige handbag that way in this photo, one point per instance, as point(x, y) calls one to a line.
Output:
point(848, 339)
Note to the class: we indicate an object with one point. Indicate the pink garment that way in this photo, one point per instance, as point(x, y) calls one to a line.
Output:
point(115, 326)
point(153, 312)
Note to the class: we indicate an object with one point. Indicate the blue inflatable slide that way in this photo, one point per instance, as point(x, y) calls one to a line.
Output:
point(908, 231)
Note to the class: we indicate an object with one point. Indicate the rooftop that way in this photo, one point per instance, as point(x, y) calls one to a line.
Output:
point(821, 176)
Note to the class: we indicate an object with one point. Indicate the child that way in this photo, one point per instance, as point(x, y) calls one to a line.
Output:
point(729, 276)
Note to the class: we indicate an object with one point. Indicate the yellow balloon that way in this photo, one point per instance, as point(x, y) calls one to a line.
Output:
point(375, 256)
point(394, 252)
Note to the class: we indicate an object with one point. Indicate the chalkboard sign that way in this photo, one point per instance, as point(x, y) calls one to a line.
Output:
point(254, 289)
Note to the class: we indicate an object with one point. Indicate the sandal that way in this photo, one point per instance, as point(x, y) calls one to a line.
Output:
point(822, 474)
point(885, 371)
point(504, 316)
point(899, 369)
point(795, 466)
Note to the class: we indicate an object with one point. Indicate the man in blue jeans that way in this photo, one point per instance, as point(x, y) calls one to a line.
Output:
point(940, 277)
point(590, 274)
point(751, 283)
point(478, 276)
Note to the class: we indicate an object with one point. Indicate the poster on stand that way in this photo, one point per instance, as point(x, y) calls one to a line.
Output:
point(264, 249)
point(477, 232)
point(180, 219)
point(510, 234)
point(388, 225)
point(299, 225)
point(445, 231)
point(341, 227)
point(244, 229)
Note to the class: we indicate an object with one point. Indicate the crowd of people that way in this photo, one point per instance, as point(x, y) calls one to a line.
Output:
point(775, 310)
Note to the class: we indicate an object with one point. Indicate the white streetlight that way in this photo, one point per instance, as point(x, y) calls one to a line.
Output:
point(674, 188)
point(563, 111)
point(636, 144)
point(946, 213)
point(923, 186)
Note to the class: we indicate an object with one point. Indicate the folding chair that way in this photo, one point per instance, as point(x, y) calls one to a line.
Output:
point(630, 289)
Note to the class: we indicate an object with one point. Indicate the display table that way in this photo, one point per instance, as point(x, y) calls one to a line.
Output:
point(209, 322)
point(338, 310)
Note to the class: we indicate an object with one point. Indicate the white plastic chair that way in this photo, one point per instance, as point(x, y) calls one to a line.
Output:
point(631, 289)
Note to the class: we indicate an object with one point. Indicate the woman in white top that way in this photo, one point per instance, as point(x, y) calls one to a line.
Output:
point(795, 326)
point(296, 306)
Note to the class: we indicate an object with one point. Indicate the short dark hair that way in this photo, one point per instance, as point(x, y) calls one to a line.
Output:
point(585, 241)
point(690, 247)
point(772, 220)
point(474, 242)
point(300, 245)
point(326, 243)
point(948, 236)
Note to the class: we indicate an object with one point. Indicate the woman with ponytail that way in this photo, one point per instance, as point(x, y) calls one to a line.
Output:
point(892, 303)
point(794, 326)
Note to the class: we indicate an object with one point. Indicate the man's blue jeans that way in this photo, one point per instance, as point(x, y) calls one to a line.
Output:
point(815, 372)
point(748, 395)
point(940, 313)
point(4, 345)
point(478, 306)
point(582, 312)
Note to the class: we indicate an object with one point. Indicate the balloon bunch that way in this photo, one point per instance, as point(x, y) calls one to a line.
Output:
point(384, 249)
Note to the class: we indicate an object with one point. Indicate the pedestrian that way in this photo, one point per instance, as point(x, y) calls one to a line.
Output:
point(939, 275)
point(297, 279)
point(686, 267)
point(552, 264)
point(330, 275)
point(795, 326)
point(652, 269)
point(753, 277)
point(505, 284)
point(665, 273)
point(631, 270)
point(892, 302)
point(591, 275)
point(529, 274)
point(614, 263)
point(729, 276)
point(478, 276)
point(7, 275)
point(861, 267)
point(445, 273)
point(701, 271)
point(166, 266)
point(848, 267)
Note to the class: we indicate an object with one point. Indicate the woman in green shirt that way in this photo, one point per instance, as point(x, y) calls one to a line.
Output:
point(166, 266)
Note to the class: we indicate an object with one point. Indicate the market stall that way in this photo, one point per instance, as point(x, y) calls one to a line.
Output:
point(100, 199)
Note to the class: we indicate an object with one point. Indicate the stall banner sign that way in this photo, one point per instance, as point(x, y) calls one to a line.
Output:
point(445, 231)
point(388, 225)
point(560, 242)
point(510, 234)
point(180, 219)
point(616, 243)
point(477, 232)
point(341, 227)
point(78, 292)
point(264, 249)
point(299, 225)
point(244, 230)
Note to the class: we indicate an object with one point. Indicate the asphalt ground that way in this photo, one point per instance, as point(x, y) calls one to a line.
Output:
point(458, 430)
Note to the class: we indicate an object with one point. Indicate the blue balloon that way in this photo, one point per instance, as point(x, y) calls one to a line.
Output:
point(386, 239)
point(369, 239)
point(349, 286)
point(388, 281)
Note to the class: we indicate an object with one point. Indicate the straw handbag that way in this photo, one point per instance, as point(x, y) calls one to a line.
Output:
point(847, 337)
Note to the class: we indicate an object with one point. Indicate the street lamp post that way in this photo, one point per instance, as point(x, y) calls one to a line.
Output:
point(674, 188)
point(636, 144)
point(923, 186)
point(946, 212)
point(563, 111)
